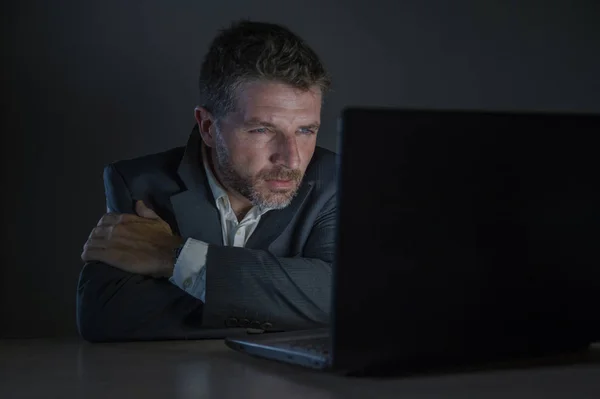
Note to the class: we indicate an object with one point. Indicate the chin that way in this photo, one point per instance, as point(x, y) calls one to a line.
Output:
point(277, 200)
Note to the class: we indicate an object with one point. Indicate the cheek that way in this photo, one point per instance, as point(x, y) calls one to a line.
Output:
point(306, 149)
point(248, 160)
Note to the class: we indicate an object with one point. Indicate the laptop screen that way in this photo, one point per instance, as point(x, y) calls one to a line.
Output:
point(478, 224)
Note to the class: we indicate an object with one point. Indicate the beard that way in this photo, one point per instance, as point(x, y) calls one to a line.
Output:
point(255, 188)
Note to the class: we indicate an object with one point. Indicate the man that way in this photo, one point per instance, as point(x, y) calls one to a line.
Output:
point(237, 228)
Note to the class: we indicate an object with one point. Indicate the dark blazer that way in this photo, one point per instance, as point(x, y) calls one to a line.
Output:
point(281, 280)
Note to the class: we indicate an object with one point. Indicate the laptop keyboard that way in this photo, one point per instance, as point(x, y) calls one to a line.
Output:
point(319, 346)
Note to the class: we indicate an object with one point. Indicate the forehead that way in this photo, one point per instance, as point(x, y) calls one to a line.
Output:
point(273, 101)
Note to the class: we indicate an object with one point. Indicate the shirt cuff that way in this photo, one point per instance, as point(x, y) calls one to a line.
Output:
point(189, 272)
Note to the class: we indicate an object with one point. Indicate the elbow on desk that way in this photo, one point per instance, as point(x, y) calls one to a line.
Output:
point(91, 313)
point(88, 329)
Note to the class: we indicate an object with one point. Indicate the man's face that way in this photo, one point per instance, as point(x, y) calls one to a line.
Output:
point(262, 149)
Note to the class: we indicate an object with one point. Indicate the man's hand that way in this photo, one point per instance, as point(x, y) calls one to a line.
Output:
point(142, 243)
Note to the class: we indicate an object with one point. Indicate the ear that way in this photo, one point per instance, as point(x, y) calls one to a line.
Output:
point(206, 125)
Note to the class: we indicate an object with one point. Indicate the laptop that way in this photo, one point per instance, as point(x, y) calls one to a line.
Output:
point(462, 237)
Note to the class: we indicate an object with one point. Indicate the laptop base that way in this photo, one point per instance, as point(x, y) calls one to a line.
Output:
point(297, 348)
point(308, 348)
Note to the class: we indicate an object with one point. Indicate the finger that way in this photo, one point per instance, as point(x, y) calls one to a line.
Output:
point(143, 211)
point(101, 232)
point(114, 257)
point(96, 243)
point(94, 250)
point(90, 254)
point(111, 219)
point(149, 214)
point(132, 233)
point(109, 232)
point(124, 259)
point(123, 243)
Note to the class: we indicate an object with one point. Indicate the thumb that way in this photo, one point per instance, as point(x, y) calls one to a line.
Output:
point(143, 211)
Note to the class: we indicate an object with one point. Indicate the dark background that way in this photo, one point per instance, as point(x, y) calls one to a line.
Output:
point(86, 83)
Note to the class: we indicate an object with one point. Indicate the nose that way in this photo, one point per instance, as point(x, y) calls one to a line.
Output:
point(287, 153)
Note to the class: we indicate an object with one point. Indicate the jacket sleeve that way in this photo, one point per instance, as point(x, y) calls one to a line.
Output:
point(113, 305)
point(277, 293)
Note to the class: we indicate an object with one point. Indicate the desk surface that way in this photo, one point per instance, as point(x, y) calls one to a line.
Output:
point(208, 369)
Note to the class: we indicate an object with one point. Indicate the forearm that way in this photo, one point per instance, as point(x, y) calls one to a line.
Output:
point(288, 293)
point(113, 305)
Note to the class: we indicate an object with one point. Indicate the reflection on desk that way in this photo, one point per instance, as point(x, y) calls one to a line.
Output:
point(208, 369)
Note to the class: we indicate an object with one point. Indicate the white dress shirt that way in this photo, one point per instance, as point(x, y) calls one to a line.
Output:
point(189, 273)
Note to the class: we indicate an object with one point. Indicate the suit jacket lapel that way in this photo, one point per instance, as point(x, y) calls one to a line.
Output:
point(195, 209)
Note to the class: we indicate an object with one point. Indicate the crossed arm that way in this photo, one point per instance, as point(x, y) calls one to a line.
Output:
point(118, 300)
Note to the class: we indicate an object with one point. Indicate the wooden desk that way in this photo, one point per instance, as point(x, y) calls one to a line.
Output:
point(207, 369)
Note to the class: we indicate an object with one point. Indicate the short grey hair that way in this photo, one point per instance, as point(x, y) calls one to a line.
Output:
point(249, 51)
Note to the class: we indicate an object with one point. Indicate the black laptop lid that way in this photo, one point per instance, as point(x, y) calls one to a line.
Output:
point(460, 228)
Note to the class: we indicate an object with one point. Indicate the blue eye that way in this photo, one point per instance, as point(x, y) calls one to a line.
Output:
point(259, 130)
point(307, 131)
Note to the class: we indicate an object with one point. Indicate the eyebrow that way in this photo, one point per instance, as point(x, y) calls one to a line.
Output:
point(257, 122)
